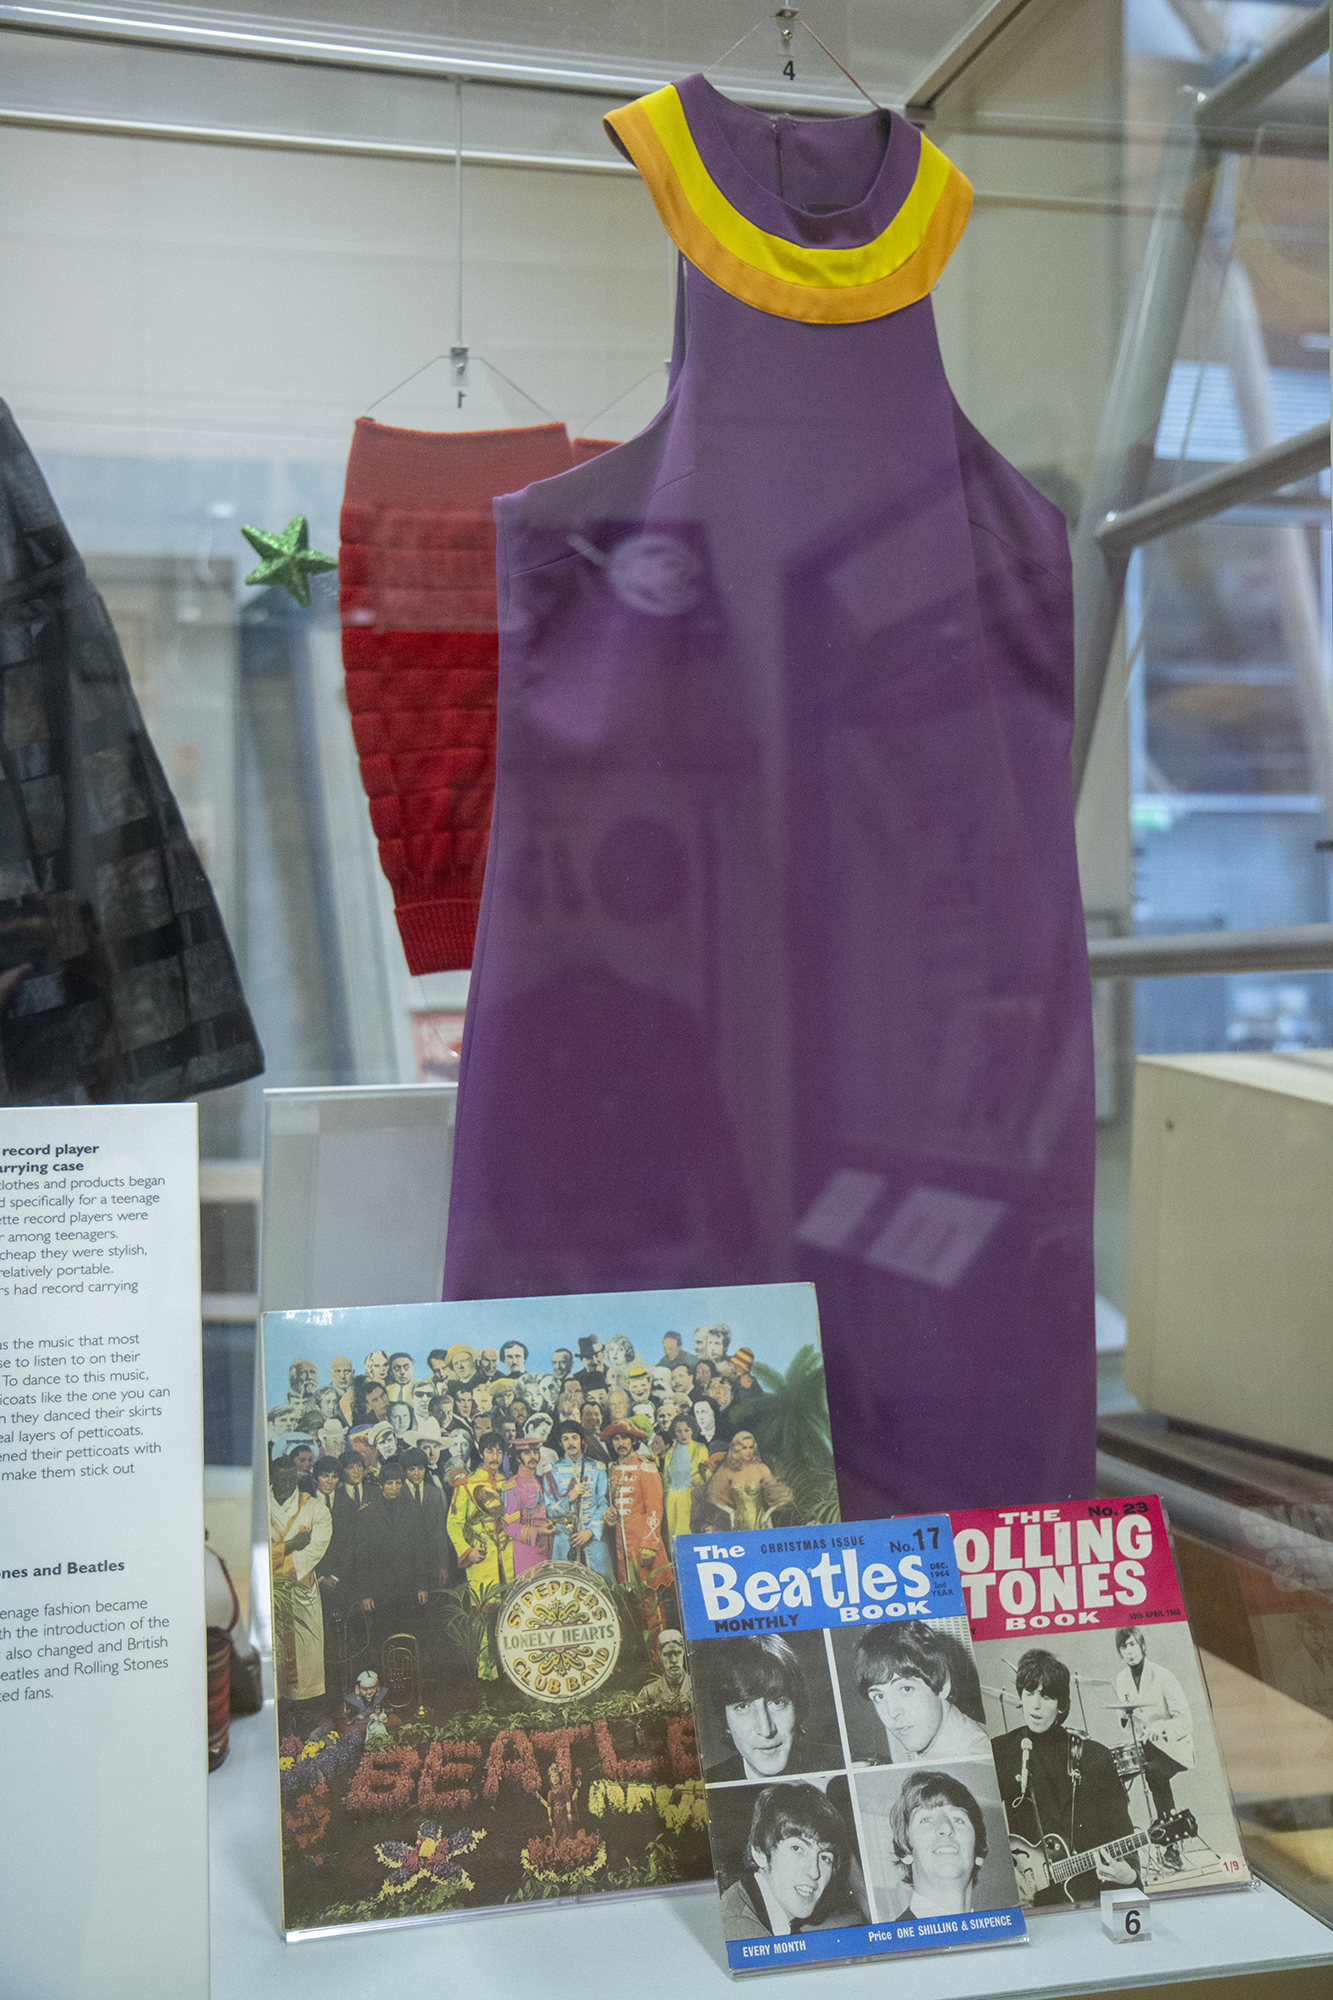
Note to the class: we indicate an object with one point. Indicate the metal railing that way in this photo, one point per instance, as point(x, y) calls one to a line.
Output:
point(1117, 513)
point(1295, 948)
point(1198, 500)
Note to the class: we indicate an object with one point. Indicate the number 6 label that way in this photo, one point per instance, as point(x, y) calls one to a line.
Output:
point(1125, 1915)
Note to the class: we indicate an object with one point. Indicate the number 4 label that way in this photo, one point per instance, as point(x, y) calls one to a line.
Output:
point(1125, 1915)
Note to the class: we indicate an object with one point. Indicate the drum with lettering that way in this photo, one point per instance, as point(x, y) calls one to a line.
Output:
point(1129, 1761)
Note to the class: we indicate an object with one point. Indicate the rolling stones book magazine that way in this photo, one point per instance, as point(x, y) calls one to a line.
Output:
point(483, 1698)
point(1095, 1702)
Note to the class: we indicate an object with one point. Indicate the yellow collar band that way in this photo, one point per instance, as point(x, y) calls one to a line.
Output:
point(792, 280)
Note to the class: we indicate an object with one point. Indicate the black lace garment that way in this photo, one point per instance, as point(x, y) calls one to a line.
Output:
point(130, 992)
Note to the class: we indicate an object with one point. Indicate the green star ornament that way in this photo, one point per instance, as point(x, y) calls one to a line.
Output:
point(289, 559)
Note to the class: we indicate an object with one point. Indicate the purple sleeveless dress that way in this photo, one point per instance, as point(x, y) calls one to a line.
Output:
point(780, 969)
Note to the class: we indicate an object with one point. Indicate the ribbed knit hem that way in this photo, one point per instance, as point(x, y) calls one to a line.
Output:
point(438, 937)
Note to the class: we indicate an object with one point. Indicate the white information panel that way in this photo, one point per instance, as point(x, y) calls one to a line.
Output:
point(103, 1734)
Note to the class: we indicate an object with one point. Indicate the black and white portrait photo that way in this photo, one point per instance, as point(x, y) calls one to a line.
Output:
point(765, 1707)
point(787, 1858)
point(910, 1693)
point(935, 1841)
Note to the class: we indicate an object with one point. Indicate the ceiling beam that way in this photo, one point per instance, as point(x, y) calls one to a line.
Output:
point(958, 56)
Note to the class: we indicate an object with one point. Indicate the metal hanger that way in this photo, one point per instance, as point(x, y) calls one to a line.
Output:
point(459, 356)
point(788, 20)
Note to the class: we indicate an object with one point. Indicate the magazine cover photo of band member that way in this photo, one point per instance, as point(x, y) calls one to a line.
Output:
point(787, 1858)
point(1109, 1773)
point(764, 1705)
point(934, 1841)
point(910, 1693)
point(431, 1468)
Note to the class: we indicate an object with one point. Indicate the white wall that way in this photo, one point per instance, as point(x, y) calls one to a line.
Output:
point(169, 299)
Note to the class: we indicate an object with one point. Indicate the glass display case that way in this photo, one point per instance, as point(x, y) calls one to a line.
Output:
point(230, 233)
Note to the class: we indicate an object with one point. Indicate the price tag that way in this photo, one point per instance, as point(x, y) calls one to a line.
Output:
point(1125, 1915)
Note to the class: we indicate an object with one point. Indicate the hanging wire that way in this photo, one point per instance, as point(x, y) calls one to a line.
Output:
point(403, 384)
point(752, 30)
point(459, 356)
point(789, 17)
point(507, 380)
point(596, 418)
point(837, 65)
point(510, 383)
point(458, 209)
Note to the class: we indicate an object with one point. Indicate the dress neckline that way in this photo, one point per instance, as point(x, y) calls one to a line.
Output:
point(709, 115)
point(707, 111)
point(840, 266)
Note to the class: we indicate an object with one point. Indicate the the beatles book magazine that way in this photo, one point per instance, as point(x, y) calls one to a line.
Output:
point(474, 1510)
point(852, 1795)
point(1095, 1703)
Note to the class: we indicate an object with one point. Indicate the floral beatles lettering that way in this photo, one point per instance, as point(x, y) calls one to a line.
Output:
point(483, 1692)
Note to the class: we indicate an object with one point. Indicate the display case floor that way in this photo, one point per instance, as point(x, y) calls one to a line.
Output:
point(668, 1945)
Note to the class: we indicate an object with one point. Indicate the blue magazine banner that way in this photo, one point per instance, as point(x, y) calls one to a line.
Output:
point(853, 1804)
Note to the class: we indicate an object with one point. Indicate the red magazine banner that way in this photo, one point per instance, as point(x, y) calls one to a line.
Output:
point(1086, 1565)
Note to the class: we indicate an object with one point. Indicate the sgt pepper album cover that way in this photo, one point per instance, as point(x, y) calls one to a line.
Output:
point(483, 1695)
point(1095, 1703)
point(852, 1794)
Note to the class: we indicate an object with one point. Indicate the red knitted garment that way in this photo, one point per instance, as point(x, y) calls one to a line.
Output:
point(417, 592)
